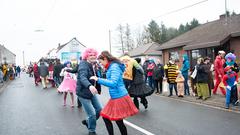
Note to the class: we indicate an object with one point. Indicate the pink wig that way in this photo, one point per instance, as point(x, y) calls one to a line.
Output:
point(89, 51)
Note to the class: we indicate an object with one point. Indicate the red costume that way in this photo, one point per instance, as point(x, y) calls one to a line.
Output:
point(218, 66)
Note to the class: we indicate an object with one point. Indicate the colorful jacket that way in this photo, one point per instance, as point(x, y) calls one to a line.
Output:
point(230, 78)
point(186, 65)
point(114, 80)
point(129, 64)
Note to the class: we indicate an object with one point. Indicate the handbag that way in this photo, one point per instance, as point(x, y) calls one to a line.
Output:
point(194, 73)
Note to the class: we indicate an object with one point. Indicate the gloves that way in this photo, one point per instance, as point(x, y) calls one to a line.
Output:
point(229, 87)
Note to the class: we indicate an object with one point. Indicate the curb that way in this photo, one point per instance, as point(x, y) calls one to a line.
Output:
point(215, 105)
point(4, 85)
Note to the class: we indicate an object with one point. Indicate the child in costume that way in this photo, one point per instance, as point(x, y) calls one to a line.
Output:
point(180, 84)
point(230, 81)
point(68, 84)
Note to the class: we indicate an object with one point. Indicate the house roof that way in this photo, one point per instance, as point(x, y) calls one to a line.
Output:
point(210, 34)
point(147, 49)
point(61, 46)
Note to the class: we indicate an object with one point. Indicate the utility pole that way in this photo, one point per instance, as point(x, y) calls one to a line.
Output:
point(23, 59)
point(110, 44)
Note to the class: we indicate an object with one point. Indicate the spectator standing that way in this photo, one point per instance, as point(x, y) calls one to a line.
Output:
point(184, 71)
point(43, 71)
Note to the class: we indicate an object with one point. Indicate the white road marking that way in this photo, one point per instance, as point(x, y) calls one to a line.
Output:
point(138, 128)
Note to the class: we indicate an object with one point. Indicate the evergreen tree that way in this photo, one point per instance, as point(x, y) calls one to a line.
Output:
point(163, 33)
point(194, 23)
point(181, 29)
point(154, 31)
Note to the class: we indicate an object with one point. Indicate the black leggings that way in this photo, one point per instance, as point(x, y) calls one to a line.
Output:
point(120, 125)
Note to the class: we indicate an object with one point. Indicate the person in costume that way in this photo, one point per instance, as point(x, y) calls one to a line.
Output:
point(138, 88)
point(68, 84)
point(218, 66)
point(180, 84)
point(230, 61)
point(120, 105)
point(87, 90)
point(230, 81)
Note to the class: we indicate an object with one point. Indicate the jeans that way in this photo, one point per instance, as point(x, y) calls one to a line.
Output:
point(186, 87)
point(150, 82)
point(171, 85)
point(92, 107)
point(228, 96)
point(57, 81)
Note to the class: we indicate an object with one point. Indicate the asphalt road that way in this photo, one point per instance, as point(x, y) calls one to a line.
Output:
point(29, 110)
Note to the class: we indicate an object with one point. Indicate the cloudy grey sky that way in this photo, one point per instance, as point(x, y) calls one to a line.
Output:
point(90, 20)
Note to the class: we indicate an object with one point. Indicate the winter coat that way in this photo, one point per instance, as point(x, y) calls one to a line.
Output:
point(158, 72)
point(145, 65)
point(83, 83)
point(138, 87)
point(129, 64)
point(150, 68)
point(202, 74)
point(114, 80)
point(185, 66)
point(57, 70)
point(43, 70)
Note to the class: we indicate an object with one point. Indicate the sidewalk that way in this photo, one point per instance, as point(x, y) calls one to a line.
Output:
point(217, 101)
point(3, 86)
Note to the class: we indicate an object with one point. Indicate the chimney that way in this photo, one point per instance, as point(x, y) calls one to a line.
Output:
point(222, 16)
point(59, 45)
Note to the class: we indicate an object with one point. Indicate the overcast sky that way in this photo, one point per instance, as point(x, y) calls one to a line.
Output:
point(90, 20)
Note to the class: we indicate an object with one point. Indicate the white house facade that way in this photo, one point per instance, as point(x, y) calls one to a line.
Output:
point(70, 51)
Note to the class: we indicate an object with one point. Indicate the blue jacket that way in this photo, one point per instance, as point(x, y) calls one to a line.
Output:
point(186, 65)
point(114, 80)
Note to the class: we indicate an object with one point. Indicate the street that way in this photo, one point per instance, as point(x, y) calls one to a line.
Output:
point(29, 110)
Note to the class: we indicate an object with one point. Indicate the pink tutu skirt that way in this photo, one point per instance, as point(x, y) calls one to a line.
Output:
point(120, 108)
point(68, 85)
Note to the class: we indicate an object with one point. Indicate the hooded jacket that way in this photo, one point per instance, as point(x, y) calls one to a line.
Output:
point(185, 66)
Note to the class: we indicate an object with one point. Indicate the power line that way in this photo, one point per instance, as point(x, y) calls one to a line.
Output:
point(174, 11)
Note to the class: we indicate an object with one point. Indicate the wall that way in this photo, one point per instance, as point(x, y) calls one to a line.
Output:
point(6, 56)
point(72, 46)
point(235, 45)
point(167, 52)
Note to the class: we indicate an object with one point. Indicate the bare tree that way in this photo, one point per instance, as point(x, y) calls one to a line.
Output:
point(128, 39)
point(120, 29)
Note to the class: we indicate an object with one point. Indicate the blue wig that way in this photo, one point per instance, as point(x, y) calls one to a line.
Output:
point(67, 62)
point(230, 56)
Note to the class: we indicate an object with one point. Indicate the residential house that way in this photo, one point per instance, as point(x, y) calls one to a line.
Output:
point(205, 40)
point(149, 50)
point(6, 56)
point(70, 51)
